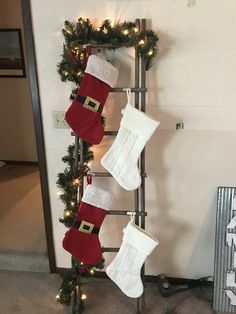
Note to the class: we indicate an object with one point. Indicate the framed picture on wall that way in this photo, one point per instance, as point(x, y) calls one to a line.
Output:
point(11, 53)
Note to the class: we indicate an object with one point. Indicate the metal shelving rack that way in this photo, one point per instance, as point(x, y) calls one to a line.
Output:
point(139, 91)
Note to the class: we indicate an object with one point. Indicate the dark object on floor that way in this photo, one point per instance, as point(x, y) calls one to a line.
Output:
point(168, 286)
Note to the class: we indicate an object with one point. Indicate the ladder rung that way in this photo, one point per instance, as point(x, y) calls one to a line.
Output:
point(99, 174)
point(110, 133)
point(126, 212)
point(132, 89)
point(110, 249)
point(107, 174)
point(104, 45)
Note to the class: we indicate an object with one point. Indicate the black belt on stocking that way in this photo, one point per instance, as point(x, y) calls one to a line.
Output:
point(90, 103)
point(85, 226)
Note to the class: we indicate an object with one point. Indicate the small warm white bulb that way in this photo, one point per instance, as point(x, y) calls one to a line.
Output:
point(150, 52)
point(135, 29)
point(126, 32)
point(76, 181)
point(83, 297)
point(67, 213)
point(58, 296)
point(141, 42)
point(105, 31)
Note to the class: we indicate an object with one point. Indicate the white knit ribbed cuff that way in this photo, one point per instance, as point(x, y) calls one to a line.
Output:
point(140, 239)
point(138, 122)
point(102, 69)
point(97, 197)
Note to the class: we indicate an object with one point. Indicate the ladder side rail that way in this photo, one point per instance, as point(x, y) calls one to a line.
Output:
point(136, 103)
point(76, 305)
point(81, 161)
point(139, 301)
point(142, 165)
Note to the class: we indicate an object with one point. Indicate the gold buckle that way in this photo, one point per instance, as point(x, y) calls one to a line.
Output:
point(86, 227)
point(91, 104)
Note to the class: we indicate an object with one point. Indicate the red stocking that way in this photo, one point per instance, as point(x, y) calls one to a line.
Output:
point(82, 239)
point(84, 114)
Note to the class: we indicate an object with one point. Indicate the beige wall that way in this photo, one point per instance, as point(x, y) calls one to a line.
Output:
point(193, 80)
point(17, 138)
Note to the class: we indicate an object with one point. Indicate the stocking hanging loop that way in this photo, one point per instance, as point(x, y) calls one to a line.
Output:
point(88, 49)
point(128, 93)
point(89, 179)
point(132, 216)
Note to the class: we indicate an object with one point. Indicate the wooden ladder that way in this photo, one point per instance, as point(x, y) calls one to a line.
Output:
point(139, 211)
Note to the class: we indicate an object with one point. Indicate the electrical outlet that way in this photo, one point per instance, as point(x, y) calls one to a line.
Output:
point(58, 120)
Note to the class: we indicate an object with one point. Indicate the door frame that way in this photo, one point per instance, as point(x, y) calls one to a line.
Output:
point(37, 117)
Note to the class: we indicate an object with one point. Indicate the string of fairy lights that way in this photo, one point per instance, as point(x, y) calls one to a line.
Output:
point(71, 68)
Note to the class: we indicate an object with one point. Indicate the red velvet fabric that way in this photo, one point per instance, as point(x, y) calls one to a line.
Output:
point(85, 247)
point(84, 122)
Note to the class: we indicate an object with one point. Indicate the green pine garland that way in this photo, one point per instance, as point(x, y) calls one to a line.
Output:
point(72, 277)
point(69, 181)
point(76, 34)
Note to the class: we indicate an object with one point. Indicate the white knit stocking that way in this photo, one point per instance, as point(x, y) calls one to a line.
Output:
point(124, 270)
point(136, 128)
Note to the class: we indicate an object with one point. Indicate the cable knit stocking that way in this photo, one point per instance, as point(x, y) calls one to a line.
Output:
point(136, 128)
point(124, 270)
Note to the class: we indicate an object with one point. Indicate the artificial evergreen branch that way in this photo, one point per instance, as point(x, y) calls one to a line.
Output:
point(72, 277)
point(70, 180)
point(76, 34)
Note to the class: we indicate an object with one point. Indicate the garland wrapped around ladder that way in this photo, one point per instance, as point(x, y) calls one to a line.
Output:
point(72, 65)
point(71, 68)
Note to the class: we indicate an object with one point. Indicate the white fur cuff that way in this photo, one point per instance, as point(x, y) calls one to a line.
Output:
point(138, 122)
point(102, 69)
point(97, 197)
